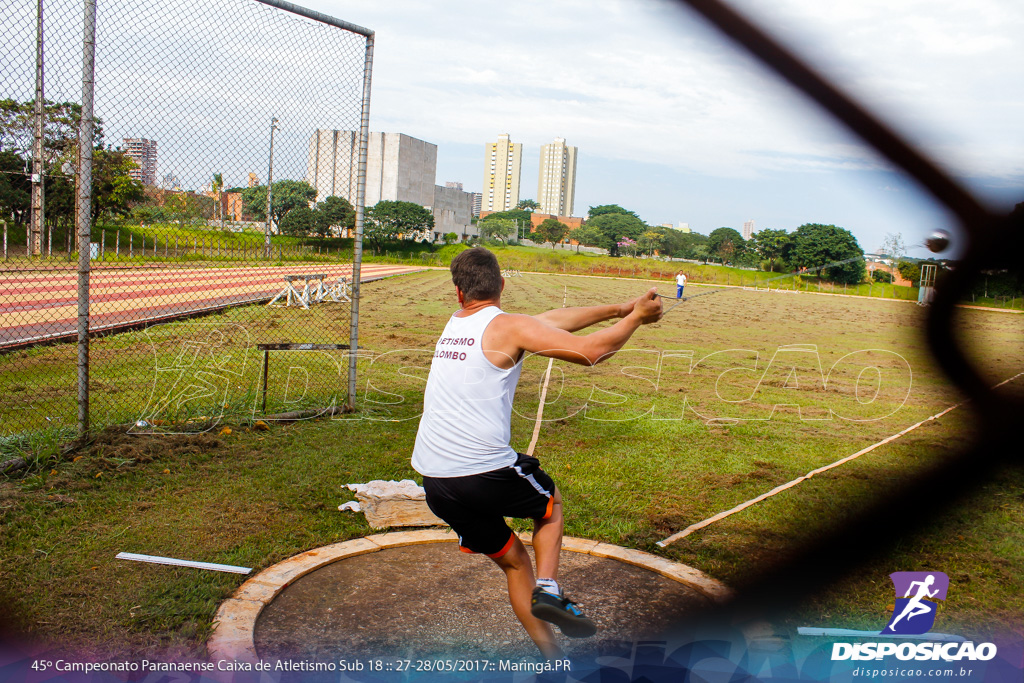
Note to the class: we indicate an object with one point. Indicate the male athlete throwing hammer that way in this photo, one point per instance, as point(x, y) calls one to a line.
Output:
point(472, 476)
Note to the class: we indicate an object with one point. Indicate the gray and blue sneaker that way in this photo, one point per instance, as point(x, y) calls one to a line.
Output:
point(562, 612)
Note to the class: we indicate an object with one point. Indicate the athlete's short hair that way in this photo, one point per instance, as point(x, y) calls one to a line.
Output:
point(476, 272)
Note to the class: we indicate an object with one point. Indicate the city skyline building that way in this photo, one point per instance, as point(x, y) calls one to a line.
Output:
point(556, 184)
point(502, 170)
point(477, 199)
point(171, 182)
point(748, 229)
point(143, 152)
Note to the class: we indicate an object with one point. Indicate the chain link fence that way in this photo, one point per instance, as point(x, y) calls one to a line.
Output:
point(155, 244)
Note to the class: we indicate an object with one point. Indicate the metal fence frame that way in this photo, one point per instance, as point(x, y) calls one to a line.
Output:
point(83, 192)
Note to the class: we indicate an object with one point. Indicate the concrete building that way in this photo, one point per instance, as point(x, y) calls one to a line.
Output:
point(556, 185)
point(748, 229)
point(398, 167)
point(453, 212)
point(502, 166)
point(143, 153)
point(477, 202)
point(684, 227)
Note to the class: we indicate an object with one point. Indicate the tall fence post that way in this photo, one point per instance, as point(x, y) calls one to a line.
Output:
point(37, 218)
point(85, 209)
point(357, 247)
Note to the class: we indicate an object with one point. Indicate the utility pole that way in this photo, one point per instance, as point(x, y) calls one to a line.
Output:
point(270, 184)
point(37, 144)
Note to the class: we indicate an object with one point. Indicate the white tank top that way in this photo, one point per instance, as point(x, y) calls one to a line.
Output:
point(467, 406)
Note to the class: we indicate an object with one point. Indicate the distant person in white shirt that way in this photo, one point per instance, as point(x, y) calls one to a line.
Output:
point(680, 283)
point(473, 478)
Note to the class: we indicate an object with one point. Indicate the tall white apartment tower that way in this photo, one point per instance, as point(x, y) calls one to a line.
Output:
point(502, 167)
point(748, 229)
point(556, 186)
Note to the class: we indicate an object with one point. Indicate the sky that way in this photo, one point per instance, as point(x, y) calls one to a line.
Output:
point(680, 126)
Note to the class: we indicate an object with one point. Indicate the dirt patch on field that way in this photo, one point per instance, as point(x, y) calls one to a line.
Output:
point(114, 447)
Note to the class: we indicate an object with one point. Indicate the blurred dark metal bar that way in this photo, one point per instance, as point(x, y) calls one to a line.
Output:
point(908, 508)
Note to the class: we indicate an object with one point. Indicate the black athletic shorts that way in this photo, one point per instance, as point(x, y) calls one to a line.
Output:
point(475, 506)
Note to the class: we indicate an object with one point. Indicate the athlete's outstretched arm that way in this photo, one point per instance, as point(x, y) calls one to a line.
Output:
point(509, 335)
point(578, 318)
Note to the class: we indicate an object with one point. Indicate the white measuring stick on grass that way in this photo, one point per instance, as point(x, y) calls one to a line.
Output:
point(782, 487)
point(154, 559)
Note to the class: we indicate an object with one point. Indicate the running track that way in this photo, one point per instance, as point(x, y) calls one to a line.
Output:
point(40, 305)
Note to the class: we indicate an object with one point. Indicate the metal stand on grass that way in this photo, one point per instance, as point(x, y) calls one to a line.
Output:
point(314, 290)
point(926, 292)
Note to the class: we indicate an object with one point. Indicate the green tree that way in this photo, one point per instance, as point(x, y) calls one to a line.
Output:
point(909, 270)
point(680, 244)
point(725, 243)
point(334, 212)
point(216, 186)
point(501, 229)
point(615, 227)
point(769, 244)
point(60, 197)
point(528, 205)
point(113, 190)
point(15, 188)
point(520, 218)
point(145, 213)
point(449, 238)
point(387, 219)
point(186, 207)
point(649, 242)
point(300, 221)
point(516, 215)
point(881, 275)
point(552, 230)
point(816, 247)
point(287, 195)
point(605, 209)
point(60, 129)
point(588, 236)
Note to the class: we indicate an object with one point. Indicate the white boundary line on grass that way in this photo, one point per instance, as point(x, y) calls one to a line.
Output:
point(778, 489)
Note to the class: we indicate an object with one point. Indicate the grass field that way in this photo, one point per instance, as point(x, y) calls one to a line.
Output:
point(721, 401)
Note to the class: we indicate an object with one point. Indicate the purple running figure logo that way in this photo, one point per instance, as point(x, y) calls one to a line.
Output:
point(914, 611)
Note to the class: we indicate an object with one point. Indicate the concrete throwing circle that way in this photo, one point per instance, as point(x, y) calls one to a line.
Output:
point(413, 595)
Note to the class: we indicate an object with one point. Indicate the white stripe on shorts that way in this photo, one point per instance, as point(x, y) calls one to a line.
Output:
point(529, 477)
